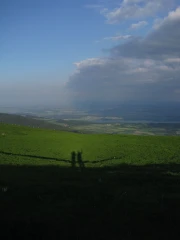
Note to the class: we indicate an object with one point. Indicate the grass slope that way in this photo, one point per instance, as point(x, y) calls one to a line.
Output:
point(54, 144)
point(135, 194)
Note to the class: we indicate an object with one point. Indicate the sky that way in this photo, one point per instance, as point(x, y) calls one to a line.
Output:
point(60, 52)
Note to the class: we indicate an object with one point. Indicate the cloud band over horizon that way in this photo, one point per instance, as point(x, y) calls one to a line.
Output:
point(143, 68)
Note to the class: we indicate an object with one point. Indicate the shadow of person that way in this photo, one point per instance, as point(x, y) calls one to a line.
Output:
point(73, 159)
point(80, 161)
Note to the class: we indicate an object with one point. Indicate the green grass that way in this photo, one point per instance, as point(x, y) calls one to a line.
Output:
point(54, 144)
point(135, 195)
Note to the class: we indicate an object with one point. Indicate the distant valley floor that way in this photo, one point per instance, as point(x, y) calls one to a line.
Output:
point(92, 124)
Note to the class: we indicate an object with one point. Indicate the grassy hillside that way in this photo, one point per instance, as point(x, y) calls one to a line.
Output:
point(96, 148)
point(127, 188)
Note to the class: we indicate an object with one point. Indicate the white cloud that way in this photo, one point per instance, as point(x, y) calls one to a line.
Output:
point(123, 79)
point(157, 23)
point(162, 42)
point(135, 9)
point(141, 69)
point(90, 62)
point(172, 16)
point(138, 25)
point(117, 38)
point(173, 60)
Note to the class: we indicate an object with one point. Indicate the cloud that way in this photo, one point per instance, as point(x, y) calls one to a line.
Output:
point(157, 23)
point(118, 79)
point(138, 25)
point(161, 43)
point(116, 38)
point(143, 69)
point(135, 9)
point(173, 60)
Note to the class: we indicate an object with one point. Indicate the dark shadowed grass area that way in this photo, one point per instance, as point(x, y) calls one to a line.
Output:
point(120, 202)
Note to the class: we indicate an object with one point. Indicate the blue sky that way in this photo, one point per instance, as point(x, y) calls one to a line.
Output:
point(42, 39)
point(46, 35)
point(43, 36)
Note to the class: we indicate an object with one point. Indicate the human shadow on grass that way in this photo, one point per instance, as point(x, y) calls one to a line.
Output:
point(35, 156)
point(130, 201)
point(79, 161)
point(106, 159)
point(72, 161)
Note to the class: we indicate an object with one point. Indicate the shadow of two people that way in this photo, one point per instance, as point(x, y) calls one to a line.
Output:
point(77, 155)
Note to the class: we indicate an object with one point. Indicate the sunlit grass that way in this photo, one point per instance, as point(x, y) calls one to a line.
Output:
point(119, 149)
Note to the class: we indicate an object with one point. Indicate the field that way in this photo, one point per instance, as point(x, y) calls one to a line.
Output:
point(123, 186)
point(145, 129)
